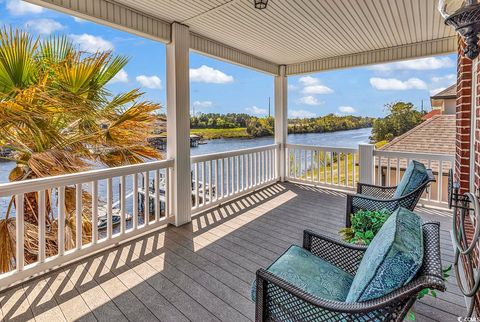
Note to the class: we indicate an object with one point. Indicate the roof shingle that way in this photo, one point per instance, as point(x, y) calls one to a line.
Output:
point(435, 135)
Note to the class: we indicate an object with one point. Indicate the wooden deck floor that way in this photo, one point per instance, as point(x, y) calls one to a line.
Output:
point(201, 271)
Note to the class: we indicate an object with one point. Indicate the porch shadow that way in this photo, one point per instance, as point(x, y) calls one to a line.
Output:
point(200, 271)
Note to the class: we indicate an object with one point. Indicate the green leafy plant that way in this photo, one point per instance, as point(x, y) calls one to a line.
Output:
point(365, 225)
point(430, 292)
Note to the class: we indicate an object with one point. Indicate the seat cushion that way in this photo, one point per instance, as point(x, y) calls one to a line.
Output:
point(392, 259)
point(310, 273)
point(415, 175)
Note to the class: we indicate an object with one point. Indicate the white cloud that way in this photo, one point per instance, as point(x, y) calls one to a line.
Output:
point(20, 8)
point(429, 63)
point(347, 109)
point(120, 77)
point(256, 110)
point(447, 78)
point(199, 105)
point(309, 81)
point(300, 114)
point(206, 74)
point(292, 87)
point(44, 26)
point(386, 84)
point(91, 44)
point(310, 100)
point(317, 89)
point(436, 90)
point(153, 82)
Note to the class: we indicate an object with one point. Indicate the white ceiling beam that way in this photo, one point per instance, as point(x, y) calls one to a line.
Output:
point(385, 55)
point(112, 14)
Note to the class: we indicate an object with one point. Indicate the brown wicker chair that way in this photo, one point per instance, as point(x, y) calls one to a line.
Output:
point(372, 197)
point(278, 300)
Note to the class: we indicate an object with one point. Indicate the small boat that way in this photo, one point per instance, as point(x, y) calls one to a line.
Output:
point(116, 219)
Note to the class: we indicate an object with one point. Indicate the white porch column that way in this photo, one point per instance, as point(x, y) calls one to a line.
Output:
point(366, 165)
point(281, 119)
point(178, 122)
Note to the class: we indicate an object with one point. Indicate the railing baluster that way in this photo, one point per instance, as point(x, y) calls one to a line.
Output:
point(204, 184)
point(379, 171)
point(109, 208)
point(122, 205)
point(345, 170)
point(388, 172)
point(339, 162)
point(429, 191)
point(222, 176)
point(210, 196)
point(146, 200)
point(440, 181)
point(237, 171)
point(135, 200)
point(248, 172)
point(78, 216)
point(254, 169)
point(20, 232)
point(61, 221)
point(242, 161)
point(167, 192)
point(397, 179)
point(228, 176)
point(217, 188)
point(41, 225)
point(332, 162)
point(325, 167)
point(156, 188)
point(197, 200)
point(354, 172)
point(94, 185)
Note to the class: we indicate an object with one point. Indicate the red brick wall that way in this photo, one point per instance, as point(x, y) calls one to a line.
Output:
point(462, 158)
point(464, 102)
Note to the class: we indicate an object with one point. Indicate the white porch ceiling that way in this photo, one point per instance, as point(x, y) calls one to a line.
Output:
point(307, 35)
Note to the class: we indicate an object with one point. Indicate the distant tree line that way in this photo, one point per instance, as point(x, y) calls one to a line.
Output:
point(401, 118)
point(257, 127)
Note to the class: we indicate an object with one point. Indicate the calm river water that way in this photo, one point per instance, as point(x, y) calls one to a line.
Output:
point(344, 139)
point(349, 139)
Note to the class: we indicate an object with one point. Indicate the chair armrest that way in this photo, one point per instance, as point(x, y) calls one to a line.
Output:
point(339, 253)
point(288, 302)
point(376, 191)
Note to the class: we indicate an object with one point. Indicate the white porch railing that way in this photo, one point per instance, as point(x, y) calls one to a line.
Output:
point(117, 199)
point(66, 200)
point(390, 166)
point(219, 177)
point(323, 166)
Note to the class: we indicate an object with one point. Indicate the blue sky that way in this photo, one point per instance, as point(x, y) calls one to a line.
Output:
point(221, 87)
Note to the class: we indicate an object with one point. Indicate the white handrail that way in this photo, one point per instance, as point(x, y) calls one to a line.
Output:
point(218, 177)
point(13, 188)
point(322, 166)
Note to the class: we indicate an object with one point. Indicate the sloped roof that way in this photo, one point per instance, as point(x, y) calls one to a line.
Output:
point(450, 92)
point(436, 135)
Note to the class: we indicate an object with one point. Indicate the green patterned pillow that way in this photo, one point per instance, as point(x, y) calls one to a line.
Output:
point(415, 175)
point(311, 274)
point(392, 260)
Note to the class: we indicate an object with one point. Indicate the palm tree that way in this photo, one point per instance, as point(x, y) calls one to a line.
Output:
point(58, 116)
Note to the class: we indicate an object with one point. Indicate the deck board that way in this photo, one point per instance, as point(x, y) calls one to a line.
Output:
point(202, 271)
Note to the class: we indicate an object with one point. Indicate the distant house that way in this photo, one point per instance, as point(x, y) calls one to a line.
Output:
point(436, 135)
point(445, 101)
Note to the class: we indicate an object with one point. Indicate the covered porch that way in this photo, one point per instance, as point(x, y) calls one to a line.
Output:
point(189, 248)
point(202, 271)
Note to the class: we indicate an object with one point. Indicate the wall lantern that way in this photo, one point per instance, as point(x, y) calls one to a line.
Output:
point(260, 4)
point(464, 16)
